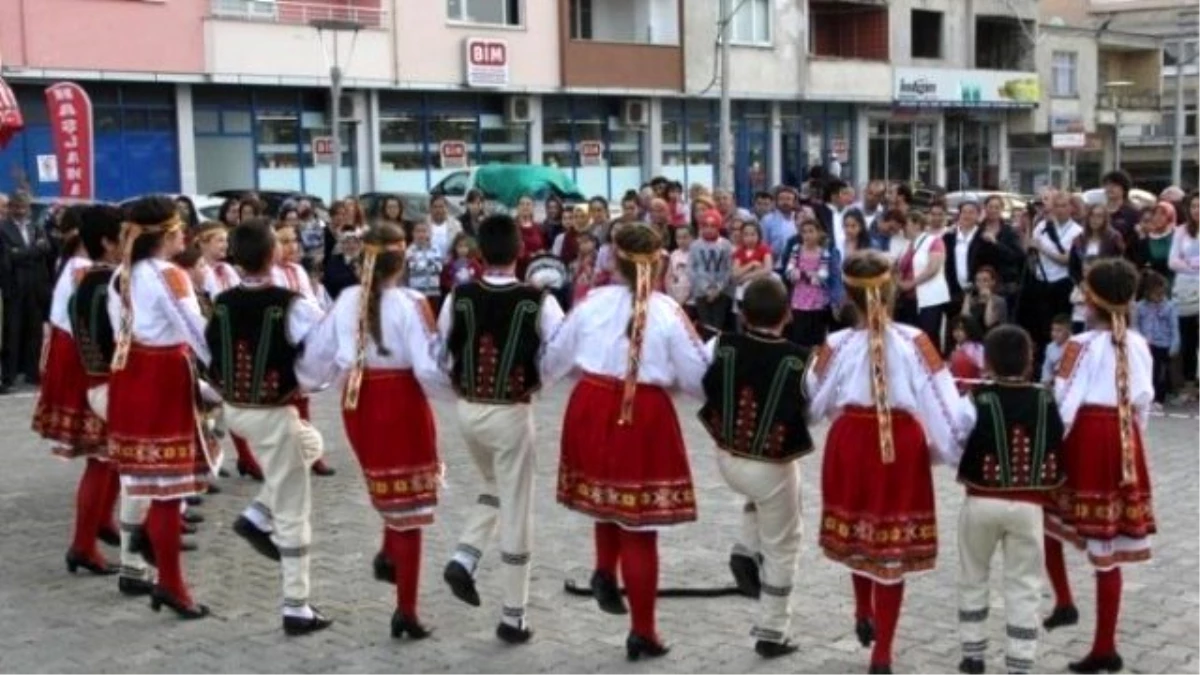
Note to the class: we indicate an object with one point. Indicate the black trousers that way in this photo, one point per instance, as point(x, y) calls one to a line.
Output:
point(714, 315)
point(1162, 372)
point(929, 320)
point(23, 317)
point(809, 328)
point(1047, 300)
point(1189, 343)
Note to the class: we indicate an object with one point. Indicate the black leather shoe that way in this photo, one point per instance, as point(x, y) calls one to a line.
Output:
point(1091, 663)
point(188, 528)
point(774, 650)
point(385, 571)
point(402, 625)
point(745, 575)
point(881, 668)
point(159, 597)
point(5, 388)
point(139, 543)
point(513, 635)
point(607, 594)
point(462, 585)
point(134, 587)
point(193, 518)
point(75, 560)
point(254, 472)
point(213, 489)
point(865, 630)
point(637, 646)
point(187, 546)
point(109, 536)
point(320, 468)
point(259, 540)
point(223, 473)
point(1061, 616)
point(194, 500)
point(294, 625)
point(971, 666)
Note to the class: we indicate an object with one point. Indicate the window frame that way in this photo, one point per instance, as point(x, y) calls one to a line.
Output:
point(941, 31)
point(464, 18)
point(750, 5)
point(1072, 70)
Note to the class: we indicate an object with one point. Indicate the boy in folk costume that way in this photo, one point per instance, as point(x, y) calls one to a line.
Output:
point(254, 336)
point(63, 416)
point(494, 329)
point(381, 339)
point(623, 458)
point(153, 416)
point(755, 411)
point(1009, 465)
point(894, 408)
point(1104, 390)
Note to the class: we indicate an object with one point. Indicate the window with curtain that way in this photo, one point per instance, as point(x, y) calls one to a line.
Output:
point(501, 12)
point(1064, 73)
point(752, 22)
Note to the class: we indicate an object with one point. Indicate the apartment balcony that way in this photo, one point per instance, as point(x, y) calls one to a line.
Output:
point(367, 13)
point(1136, 107)
point(622, 44)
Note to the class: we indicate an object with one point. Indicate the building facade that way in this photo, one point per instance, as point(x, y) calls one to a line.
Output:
point(201, 96)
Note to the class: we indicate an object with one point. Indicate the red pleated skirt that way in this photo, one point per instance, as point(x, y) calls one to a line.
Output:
point(153, 423)
point(1093, 504)
point(393, 435)
point(62, 413)
point(636, 474)
point(878, 519)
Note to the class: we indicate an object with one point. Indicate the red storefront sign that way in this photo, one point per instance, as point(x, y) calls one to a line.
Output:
point(70, 111)
point(11, 121)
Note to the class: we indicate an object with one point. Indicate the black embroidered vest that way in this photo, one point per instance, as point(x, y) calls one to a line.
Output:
point(253, 364)
point(754, 404)
point(90, 325)
point(494, 340)
point(1016, 441)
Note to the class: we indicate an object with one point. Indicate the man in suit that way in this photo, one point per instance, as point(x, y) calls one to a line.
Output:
point(4, 275)
point(962, 242)
point(26, 291)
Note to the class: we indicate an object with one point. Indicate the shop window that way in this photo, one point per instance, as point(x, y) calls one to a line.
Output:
point(402, 154)
point(926, 34)
point(890, 150)
point(501, 12)
point(206, 121)
point(502, 143)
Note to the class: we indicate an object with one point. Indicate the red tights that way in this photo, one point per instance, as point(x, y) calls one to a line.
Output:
point(880, 603)
point(637, 554)
point(404, 550)
point(90, 508)
point(163, 527)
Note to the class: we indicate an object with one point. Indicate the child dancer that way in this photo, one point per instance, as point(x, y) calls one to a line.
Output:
point(756, 383)
point(1104, 391)
point(893, 404)
point(254, 337)
point(1010, 464)
point(623, 459)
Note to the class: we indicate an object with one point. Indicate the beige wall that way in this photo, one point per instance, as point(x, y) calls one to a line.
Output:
point(838, 80)
point(285, 50)
point(1083, 105)
point(775, 71)
point(430, 50)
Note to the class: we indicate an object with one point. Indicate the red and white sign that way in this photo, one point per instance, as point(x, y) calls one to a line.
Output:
point(322, 149)
point(591, 153)
point(486, 62)
point(70, 111)
point(11, 121)
point(1068, 140)
point(841, 149)
point(453, 154)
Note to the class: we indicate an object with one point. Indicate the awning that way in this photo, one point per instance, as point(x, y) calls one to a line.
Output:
point(11, 121)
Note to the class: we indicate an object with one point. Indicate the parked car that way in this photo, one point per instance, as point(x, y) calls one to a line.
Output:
point(503, 184)
point(1140, 199)
point(274, 199)
point(1013, 202)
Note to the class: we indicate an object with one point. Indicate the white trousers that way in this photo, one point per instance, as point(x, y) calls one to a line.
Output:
point(285, 446)
point(774, 491)
point(1016, 526)
point(131, 511)
point(500, 441)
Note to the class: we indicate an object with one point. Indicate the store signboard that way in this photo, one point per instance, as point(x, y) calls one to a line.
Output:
point(1068, 140)
point(947, 87)
point(486, 62)
point(453, 154)
point(591, 153)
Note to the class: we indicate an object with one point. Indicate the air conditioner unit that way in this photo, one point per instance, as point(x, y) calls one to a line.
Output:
point(518, 110)
point(635, 113)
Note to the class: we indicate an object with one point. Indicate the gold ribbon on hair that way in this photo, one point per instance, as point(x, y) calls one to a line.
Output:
point(643, 285)
point(130, 232)
point(1120, 324)
point(366, 277)
point(877, 320)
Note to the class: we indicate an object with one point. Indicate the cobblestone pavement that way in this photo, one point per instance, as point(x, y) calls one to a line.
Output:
point(51, 621)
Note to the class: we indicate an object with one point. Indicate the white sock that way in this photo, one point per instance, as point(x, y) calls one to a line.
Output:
point(466, 560)
point(260, 520)
point(299, 612)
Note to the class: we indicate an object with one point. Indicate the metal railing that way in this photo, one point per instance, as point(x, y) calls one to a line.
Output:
point(297, 12)
point(1129, 100)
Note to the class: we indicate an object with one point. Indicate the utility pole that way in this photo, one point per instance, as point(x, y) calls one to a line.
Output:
point(336, 26)
point(725, 179)
point(1177, 140)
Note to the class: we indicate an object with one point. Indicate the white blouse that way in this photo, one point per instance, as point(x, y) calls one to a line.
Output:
point(406, 324)
point(918, 383)
point(165, 309)
point(1087, 375)
point(294, 278)
point(219, 277)
point(594, 339)
point(64, 288)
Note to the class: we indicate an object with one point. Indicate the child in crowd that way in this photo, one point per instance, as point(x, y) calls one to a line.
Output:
point(464, 264)
point(752, 384)
point(679, 284)
point(1060, 332)
point(1158, 322)
point(710, 269)
point(966, 362)
point(1010, 463)
point(751, 259)
point(808, 271)
point(425, 266)
point(583, 268)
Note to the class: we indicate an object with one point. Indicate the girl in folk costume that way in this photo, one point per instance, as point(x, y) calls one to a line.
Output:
point(380, 337)
point(1104, 390)
point(290, 274)
point(623, 458)
point(153, 416)
point(62, 414)
point(895, 410)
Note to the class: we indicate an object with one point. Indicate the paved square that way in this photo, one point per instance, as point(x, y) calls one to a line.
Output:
point(51, 621)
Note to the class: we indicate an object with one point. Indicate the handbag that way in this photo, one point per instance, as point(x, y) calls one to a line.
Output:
point(1185, 293)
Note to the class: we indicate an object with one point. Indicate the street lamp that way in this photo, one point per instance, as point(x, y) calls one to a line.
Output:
point(335, 27)
point(1116, 101)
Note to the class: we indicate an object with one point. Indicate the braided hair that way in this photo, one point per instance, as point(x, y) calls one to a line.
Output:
point(383, 258)
point(1110, 287)
point(638, 260)
point(868, 279)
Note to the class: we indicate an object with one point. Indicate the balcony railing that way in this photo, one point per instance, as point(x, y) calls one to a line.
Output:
point(298, 11)
point(1131, 100)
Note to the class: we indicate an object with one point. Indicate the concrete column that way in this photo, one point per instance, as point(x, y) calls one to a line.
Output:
point(939, 151)
point(652, 143)
point(535, 130)
point(862, 149)
point(368, 142)
point(776, 156)
point(185, 130)
point(1004, 164)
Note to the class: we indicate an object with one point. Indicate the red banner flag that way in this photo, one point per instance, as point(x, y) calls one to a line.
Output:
point(70, 111)
point(10, 114)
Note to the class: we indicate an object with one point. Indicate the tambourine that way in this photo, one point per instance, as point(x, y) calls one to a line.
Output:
point(546, 271)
